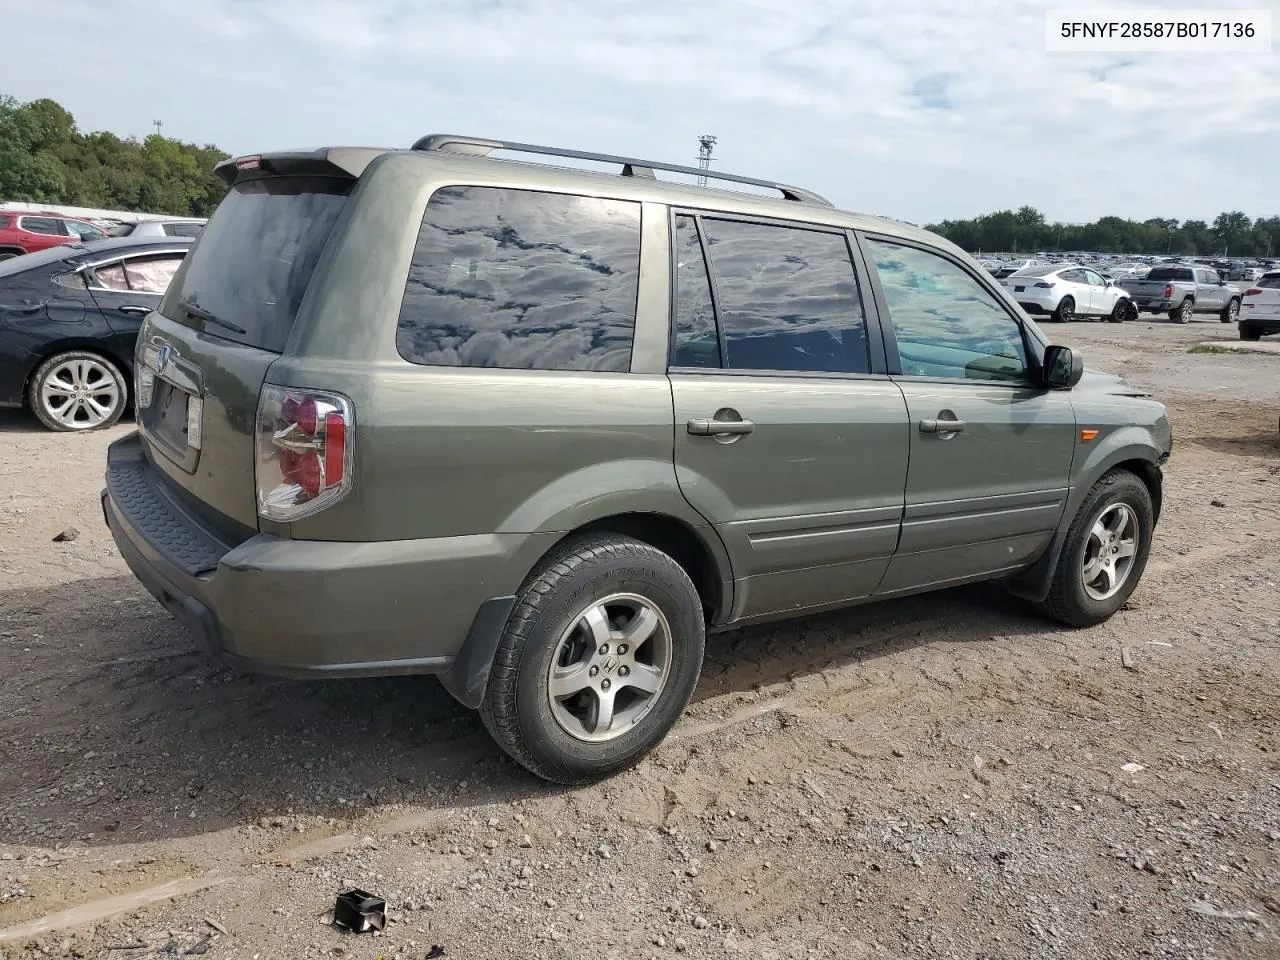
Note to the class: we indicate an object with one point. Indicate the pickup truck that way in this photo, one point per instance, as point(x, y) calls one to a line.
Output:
point(1183, 291)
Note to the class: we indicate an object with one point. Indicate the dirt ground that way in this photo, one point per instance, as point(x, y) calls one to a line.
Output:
point(946, 776)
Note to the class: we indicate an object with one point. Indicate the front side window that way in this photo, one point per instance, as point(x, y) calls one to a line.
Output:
point(522, 280)
point(945, 322)
point(786, 298)
point(1095, 279)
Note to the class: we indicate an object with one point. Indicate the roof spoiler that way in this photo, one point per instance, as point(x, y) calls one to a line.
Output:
point(326, 162)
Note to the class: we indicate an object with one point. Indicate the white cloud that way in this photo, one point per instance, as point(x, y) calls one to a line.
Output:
point(921, 110)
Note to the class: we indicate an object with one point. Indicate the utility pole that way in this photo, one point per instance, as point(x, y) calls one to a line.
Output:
point(706, 143)
point(159, 124)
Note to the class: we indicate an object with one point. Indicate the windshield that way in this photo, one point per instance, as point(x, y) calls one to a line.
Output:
point(253, 261)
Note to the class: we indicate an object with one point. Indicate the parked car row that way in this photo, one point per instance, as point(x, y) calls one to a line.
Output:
point(23, 232)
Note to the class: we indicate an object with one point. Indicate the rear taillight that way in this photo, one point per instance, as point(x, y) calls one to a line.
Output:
point(1045, 285)
point(1253, 292)
point(304, 447)
point(1168, 291)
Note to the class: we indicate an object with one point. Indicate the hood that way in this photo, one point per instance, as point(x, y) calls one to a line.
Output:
point(1108, 384)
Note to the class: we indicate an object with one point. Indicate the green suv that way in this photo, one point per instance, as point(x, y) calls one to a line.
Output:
point(537, 429)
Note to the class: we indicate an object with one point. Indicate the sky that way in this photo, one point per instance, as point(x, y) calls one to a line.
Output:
point(915, 109)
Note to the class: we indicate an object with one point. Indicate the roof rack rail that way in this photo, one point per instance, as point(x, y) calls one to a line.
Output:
point(631, 167)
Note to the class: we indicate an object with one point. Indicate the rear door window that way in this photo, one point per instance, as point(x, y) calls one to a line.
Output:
point(151, 274)
point(45, 226)
point(255, 257)
point(522, 280)
point(786, 299)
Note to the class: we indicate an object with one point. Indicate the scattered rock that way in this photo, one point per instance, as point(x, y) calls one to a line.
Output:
point(700, 923)
point(1216, 503)
point(67, 535)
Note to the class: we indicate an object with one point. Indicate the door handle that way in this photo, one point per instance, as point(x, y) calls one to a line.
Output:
point(941, 426)
point(131, 308)
point(702, 427)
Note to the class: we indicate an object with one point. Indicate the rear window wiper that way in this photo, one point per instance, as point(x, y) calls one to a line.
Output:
point(201, 314)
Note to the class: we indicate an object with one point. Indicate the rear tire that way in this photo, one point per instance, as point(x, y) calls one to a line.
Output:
point(1250, 333)
point(1065, 311)
point(1083, 593)
point(555, 638)
point(1231, 313)
point(77, 391)
point(1186, 310)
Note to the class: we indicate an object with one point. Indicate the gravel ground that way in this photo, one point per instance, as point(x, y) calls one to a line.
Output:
point(946, 776)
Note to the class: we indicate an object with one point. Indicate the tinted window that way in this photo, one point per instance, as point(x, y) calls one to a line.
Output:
point(255, 257)
point(151, 274)
point(73, 280)
point(1073, 276)
point(1270, 281)
point(697, 343)
point(946, 323)
point(183, 229)
point(4, 223)
point(1170, 273)
point(42, 225)
point(522, 280)
point(787, 298)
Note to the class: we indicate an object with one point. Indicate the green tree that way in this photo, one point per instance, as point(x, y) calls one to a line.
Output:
point(44, 158)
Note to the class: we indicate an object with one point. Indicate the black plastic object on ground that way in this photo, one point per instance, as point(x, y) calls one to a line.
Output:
point(358, 911)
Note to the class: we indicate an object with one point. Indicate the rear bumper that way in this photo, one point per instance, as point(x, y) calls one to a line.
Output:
point(1266, 323)
point(1030, 306)
point(302, 608)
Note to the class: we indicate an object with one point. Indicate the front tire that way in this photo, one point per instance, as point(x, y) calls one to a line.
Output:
point(1232, 312)
point(1104, 553)
point(597, 662)
point(76, 391)
point(1186, 310)
point(1124, 310)
point(1065, 311)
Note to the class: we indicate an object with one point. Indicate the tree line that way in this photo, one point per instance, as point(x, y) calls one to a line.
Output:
point(44, 158)
point(1232, 234)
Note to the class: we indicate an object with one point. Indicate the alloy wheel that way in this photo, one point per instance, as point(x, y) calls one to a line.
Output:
point(1110, 551)
point(80, 394)
point(610, 667)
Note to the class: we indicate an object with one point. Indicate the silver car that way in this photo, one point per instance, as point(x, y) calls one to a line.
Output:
point(177, 227)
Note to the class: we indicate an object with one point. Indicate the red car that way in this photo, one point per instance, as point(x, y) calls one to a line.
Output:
point(22, 232)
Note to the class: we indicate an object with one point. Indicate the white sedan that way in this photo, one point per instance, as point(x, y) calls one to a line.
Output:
point(1063, 292)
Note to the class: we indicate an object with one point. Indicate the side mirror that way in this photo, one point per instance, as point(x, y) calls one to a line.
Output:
point(1063, 368)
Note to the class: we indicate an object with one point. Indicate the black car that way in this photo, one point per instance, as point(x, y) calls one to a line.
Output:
point(69, 317)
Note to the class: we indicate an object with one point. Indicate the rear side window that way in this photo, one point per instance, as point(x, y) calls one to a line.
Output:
point(183, 229)
point(786, 299)
point(522, 280)
point(1270, 281)
point(255, 257)
point(41, 225)
point(4, 223)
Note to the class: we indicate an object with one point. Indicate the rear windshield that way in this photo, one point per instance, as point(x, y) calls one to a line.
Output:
point(1270, 280)
point(254, 259)
point(1170, 273)
point(1041, 271)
